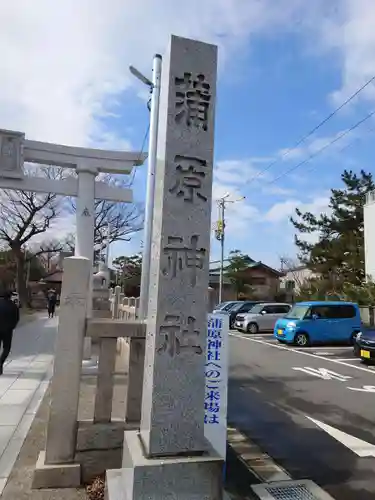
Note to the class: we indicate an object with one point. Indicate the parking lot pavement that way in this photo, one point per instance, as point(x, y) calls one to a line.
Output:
point(311, 409)
point(338, 352)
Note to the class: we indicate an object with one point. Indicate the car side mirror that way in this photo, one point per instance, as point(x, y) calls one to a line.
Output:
point(263, 312)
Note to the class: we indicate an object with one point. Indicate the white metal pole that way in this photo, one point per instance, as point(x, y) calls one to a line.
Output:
point(222, 215)
point(150, 190)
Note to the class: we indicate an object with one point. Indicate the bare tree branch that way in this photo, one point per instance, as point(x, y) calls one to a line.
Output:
point(295, 270)
point(23, 215)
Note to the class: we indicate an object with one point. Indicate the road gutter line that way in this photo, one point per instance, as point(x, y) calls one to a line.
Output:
point(261, 465)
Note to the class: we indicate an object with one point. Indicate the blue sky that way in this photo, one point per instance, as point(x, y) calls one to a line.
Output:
point(283, 69)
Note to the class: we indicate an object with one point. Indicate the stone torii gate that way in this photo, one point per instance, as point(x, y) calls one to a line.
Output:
point(88, 163)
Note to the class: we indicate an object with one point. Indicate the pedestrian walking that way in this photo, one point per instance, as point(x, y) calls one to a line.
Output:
point(9, 317)
point(51, 302)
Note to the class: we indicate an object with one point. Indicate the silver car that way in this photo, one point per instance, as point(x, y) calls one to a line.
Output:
point(261, 317)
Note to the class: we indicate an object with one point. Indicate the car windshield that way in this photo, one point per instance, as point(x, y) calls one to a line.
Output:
point(256, 308)
point(368, 331)
point(227, 306)
point(297, 312)
point(235, 306)
point(222, 306)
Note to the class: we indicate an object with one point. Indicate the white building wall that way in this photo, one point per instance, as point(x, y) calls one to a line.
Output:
point(298, 276)
point(369, 234)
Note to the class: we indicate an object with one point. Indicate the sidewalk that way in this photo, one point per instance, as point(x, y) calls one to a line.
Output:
point(22, 386)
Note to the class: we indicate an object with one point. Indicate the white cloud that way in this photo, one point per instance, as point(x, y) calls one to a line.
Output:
point(64, 64)
point(277, 190)
point(350, 33)
point(280, 212)
point(313, 145)
point(237, 172)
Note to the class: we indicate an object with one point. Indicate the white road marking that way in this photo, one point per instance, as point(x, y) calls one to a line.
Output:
point(365, 388)
point(351, 360)
point(323, 373)
point(335, 348)
point(290, 349)
point(357, 446)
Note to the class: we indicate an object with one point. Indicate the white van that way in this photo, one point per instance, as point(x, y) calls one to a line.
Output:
point(261, 317)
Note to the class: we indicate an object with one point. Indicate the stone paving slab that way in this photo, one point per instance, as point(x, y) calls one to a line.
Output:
point(17, 411)
point(22, 387)
point(19, 483)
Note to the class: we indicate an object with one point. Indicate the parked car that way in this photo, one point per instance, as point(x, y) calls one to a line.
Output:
point(364, 345)
point(261, 317)
point(224, 306)
point(319, 322)
point(238, 307)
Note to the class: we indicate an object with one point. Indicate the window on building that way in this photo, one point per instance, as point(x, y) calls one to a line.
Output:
point(257, 280)
point(290, 285)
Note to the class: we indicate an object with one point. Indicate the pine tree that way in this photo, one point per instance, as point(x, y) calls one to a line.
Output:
point(338, 254)
point(236, 271)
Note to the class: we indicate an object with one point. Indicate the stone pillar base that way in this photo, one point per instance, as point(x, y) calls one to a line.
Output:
point(55, 475)
point(180, 478)
point(99, 447)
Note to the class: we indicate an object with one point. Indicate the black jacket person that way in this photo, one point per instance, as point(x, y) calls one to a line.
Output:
point(9, 317)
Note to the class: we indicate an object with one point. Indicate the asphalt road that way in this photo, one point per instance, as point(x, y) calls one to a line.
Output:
point(275, 390)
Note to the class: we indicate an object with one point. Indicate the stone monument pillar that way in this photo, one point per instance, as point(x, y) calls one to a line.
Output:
point(170, 457)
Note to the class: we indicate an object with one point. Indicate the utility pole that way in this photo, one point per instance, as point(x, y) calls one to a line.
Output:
point(220, 236)
point(154, 87)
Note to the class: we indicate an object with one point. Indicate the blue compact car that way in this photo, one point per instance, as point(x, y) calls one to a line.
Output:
point(319, 323)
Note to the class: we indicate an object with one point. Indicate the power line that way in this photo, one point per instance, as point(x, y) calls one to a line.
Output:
point(349, 145)
point(140, 155)
point(319, 151)
point(312, 131)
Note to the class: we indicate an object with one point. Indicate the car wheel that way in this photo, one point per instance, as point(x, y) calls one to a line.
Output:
point(252, 328)
point(302, 340)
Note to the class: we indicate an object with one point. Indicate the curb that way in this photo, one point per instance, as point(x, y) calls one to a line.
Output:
point(265, 475)
point(261, 465)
